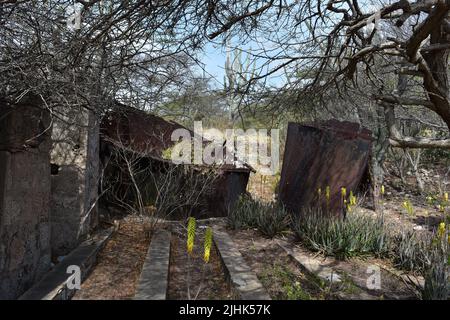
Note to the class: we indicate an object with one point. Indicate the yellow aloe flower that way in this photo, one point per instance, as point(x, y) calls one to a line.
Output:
point(191, 234)
point(382, 190)
point(441, 230)
point(408, 207)
point(327, 193)
point(208, 244)
point(352, 199)
point(349, 208)
point(343, 192)
point(446, 197)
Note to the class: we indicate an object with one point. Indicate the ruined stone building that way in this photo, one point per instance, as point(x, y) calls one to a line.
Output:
point(49, 173)
point(44, 209)
point(140, 131)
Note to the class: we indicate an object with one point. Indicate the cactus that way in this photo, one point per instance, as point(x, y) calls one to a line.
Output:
point(237, 76)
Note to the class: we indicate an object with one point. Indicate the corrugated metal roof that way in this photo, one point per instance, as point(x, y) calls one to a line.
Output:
point(143, 132)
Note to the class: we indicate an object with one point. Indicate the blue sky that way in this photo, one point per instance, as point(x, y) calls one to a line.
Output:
point(214, 57)
point(214, 61)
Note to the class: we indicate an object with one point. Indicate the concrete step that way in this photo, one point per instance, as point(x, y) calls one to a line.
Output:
point(243, 280)
point(154, 277)
point(313, 265)
point(54, 285)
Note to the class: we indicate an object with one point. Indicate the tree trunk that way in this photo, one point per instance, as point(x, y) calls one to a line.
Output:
point(378, 154)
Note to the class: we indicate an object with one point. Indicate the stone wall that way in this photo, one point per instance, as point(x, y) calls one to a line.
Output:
point(24, 198)
point(74, 187)
point(44, 212)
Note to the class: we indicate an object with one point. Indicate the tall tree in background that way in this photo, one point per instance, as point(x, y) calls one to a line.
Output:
point(133, 51)
point(237, 76)
point(393, 55)
point(389, 58)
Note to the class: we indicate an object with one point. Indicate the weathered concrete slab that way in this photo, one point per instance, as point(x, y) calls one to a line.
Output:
point(75, 154)
point(154, 278)
point(417, 280)
point(352, 277)
point(315, 266)
point(243, 280)
point(54, 284)
point(24, 196)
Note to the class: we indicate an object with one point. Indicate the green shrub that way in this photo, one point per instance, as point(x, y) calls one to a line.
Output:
point(437, 277)
point(272, 220)
point(357, 234)
point(410, 251)
point(269, 218)
point(427, 255)
point(287, 284)
point(243, 214)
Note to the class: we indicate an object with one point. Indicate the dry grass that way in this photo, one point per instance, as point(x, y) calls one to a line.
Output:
point(119, 264)
point(284, 279)
point(214, 285)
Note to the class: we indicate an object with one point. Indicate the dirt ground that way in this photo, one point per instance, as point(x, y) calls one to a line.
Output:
point(281, 277)
point(205, 280)
point(284, 278)
point(119, 264)
point(426, 214)
point(425, 217)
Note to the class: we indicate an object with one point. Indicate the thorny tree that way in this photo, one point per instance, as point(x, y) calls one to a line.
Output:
point(122, 43)
point(154, 188)
point(131, 51)
point(393, 53)
point(323, 45)
point(389, 59)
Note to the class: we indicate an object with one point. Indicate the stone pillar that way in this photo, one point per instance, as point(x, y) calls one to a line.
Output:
point(75, 152)
point(24, 198)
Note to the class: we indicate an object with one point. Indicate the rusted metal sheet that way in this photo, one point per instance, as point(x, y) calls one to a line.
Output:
point(321, 154)
point(150, 135)
point(228, 187)
point(139, 130)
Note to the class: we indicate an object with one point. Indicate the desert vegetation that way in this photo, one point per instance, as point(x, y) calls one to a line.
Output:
point(357, 94)
point(358, 234)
